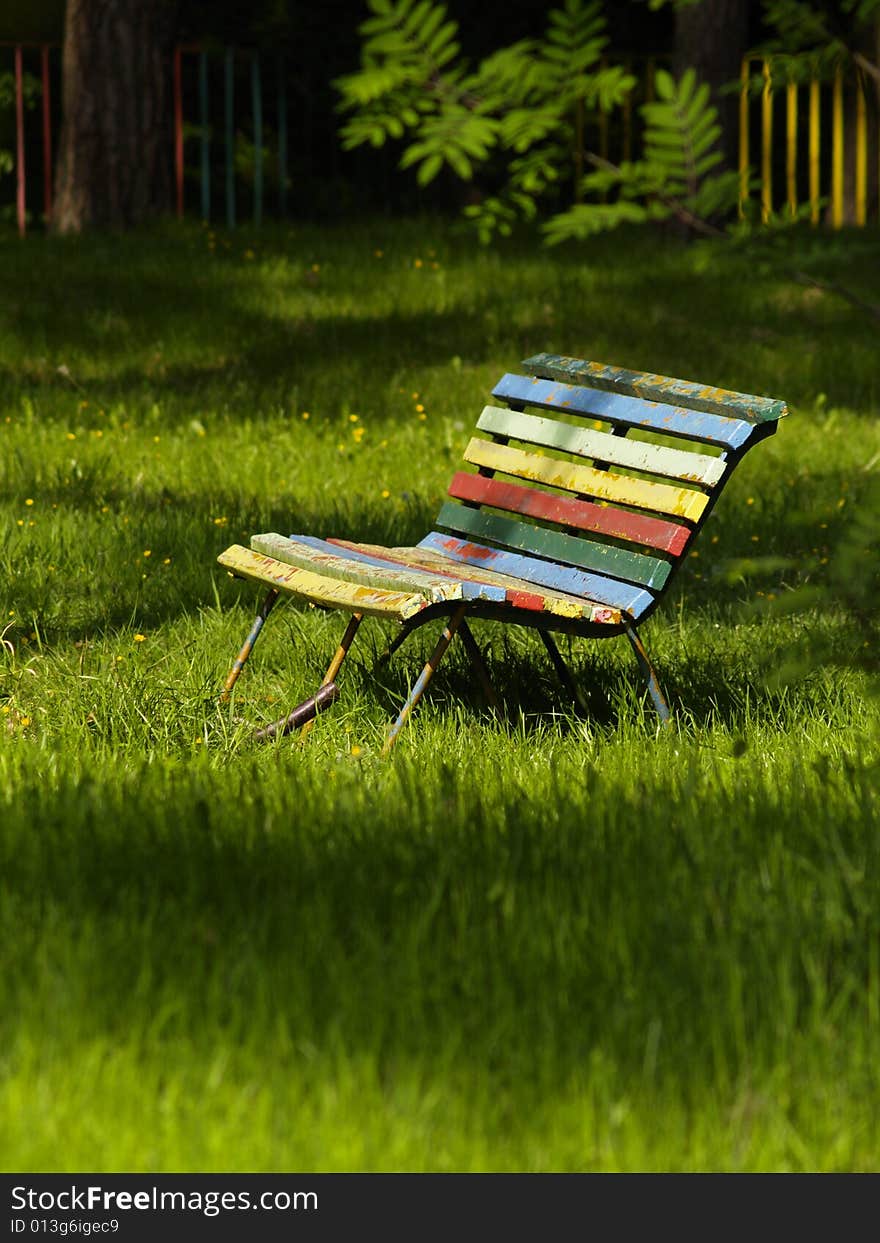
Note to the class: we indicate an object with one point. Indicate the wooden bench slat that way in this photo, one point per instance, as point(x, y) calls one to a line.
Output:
point(642, 529)
point(586, 554)
point(602, 447)
point(331, 592)
point(663, 388)
point(587, 481)
point(633, 600)
point(611, 407)
point(519, 593)
point(330, 560)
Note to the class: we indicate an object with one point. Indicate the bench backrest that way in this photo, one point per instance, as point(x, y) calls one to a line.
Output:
point(606, 475)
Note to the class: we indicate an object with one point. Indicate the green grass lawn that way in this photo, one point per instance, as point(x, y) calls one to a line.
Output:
point(547, 943)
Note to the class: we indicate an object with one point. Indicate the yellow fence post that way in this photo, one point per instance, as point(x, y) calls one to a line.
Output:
point(767, 145)
point(837, 150)
point(791, 117)
point(861, 154)
point(815, 148)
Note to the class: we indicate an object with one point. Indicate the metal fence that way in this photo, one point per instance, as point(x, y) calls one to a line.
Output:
point(222, 99)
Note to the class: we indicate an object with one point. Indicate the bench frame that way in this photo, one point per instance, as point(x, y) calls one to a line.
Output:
point(762, 414)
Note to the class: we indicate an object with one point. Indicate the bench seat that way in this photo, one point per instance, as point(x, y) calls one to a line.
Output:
point(577, 501)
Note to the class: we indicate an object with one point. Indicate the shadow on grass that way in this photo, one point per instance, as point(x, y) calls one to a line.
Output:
point(434, 918)
point(122, 299)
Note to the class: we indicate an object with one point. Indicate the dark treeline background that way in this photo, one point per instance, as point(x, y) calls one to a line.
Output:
point(311, 45)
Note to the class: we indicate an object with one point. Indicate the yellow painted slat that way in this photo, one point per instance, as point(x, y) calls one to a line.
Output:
point(586, 481)
point(320, 590)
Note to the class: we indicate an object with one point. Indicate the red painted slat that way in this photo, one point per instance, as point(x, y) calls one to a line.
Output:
point(583, 515)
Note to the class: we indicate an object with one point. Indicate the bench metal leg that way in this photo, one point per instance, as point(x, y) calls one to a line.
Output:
point(301, 715)
point(336, 663)
point(265, 609)
point(563, 671)
point(479, 664)
point(649, 674)
point(449, 631)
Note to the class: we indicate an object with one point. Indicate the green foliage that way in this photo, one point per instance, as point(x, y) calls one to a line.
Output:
point(676, 177)
point(528, 105)
point(525, 104)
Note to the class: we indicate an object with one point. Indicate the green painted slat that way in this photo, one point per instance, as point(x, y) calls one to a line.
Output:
point(657, 388)
point(574, 550)
point(632, 454)
point(335, 564)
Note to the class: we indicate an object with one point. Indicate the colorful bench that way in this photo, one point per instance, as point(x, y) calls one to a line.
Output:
point(591, 485)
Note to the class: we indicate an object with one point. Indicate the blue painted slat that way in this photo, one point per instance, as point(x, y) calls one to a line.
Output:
point(544, 573)
point(634, 411)
point(469, 590)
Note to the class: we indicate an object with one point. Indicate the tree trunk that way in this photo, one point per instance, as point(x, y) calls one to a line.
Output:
point(711, 37)
point(114, 160)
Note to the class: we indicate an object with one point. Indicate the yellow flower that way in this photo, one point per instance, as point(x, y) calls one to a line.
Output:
point(353, 418)
point(139, 638)
point(148, 552)
point(385, 494)
point(417, 263)
point(419, 409)
point(25, 720)
point(71, 435)
point(306, 415)
point(355, 751)
point(29, 501)
point(166, 561)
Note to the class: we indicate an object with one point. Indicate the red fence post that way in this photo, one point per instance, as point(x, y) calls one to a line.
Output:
point(178, 131)
point(47, 134)
point(19, 143)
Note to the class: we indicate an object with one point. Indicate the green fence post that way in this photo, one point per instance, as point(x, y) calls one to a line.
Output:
point(282, 140)
point(230, 137)
point(257, 100)
point(205, 145)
